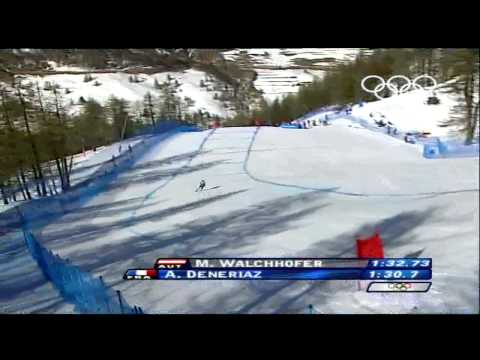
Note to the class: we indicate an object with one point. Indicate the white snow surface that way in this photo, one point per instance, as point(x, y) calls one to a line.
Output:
point(259, 210)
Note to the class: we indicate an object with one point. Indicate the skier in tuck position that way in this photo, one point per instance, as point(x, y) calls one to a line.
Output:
point(201, 186)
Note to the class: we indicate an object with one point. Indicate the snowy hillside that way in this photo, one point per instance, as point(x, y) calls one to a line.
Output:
point(118, 84)
point(278, 83)
point(286, 57)
point(282, 71)
point(409, 112)
point(279, 72)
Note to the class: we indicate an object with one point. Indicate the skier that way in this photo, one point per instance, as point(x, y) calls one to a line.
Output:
point(129, 148)
point(201, 186)
point(120, 149)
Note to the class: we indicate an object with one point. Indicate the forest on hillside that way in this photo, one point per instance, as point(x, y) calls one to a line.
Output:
point(458, 67)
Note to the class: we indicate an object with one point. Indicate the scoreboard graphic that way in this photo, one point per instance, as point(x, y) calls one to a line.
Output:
point(387, 275)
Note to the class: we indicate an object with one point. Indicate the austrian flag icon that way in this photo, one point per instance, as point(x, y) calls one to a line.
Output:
point(170, 263)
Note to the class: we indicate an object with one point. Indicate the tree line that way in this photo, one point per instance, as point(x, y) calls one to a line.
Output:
point(342, 85)
point(40, 131)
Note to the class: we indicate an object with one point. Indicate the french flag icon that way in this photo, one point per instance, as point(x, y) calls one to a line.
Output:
point(152, 273)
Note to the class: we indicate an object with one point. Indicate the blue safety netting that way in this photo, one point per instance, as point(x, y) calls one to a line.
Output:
point(89, 294)
point(437, 149)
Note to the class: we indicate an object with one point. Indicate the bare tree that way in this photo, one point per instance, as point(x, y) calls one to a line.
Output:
point(31, 139)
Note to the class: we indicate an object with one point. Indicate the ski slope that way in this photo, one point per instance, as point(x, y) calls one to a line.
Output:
point(278, 192)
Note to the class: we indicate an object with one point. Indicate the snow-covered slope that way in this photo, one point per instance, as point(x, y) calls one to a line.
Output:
point(278, 83)
point(281, 192)
point(409, 112)
point(282, 71)
point(118, 84)
point(285, 57)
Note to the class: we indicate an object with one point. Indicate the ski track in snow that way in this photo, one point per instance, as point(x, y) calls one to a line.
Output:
point(333, 189)
point(159, 188)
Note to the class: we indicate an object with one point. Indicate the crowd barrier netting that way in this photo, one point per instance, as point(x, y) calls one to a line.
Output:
point(438, 149)
point(89, 294)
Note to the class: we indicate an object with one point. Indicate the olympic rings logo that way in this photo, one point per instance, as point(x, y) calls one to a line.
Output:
point(399, 286)
point(394, 84)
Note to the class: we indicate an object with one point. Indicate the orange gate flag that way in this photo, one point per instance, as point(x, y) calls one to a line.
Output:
point(371, 247)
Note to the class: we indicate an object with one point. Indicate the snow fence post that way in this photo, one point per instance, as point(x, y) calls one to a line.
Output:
point(120, 301)
point(107, 300)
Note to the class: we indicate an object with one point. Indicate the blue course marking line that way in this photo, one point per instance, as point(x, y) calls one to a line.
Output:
point(172, 177)
point(334, 189)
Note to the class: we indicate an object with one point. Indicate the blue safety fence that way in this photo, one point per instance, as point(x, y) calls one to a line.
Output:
point(306, 121)
point(39, 212)
point(438, 149)
point(289, 126)
point(89, 294)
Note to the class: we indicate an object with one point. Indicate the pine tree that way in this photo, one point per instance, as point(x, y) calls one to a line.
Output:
point(92, 126)
point(117, 110)
point(463, 67)
point(35, 152)
point(149, 108)
point(61, 140)
point(87, 78)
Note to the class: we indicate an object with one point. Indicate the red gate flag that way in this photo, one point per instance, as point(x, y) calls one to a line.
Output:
point(371, 247)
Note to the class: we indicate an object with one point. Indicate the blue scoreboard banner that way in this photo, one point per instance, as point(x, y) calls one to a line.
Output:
point(285, 269)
